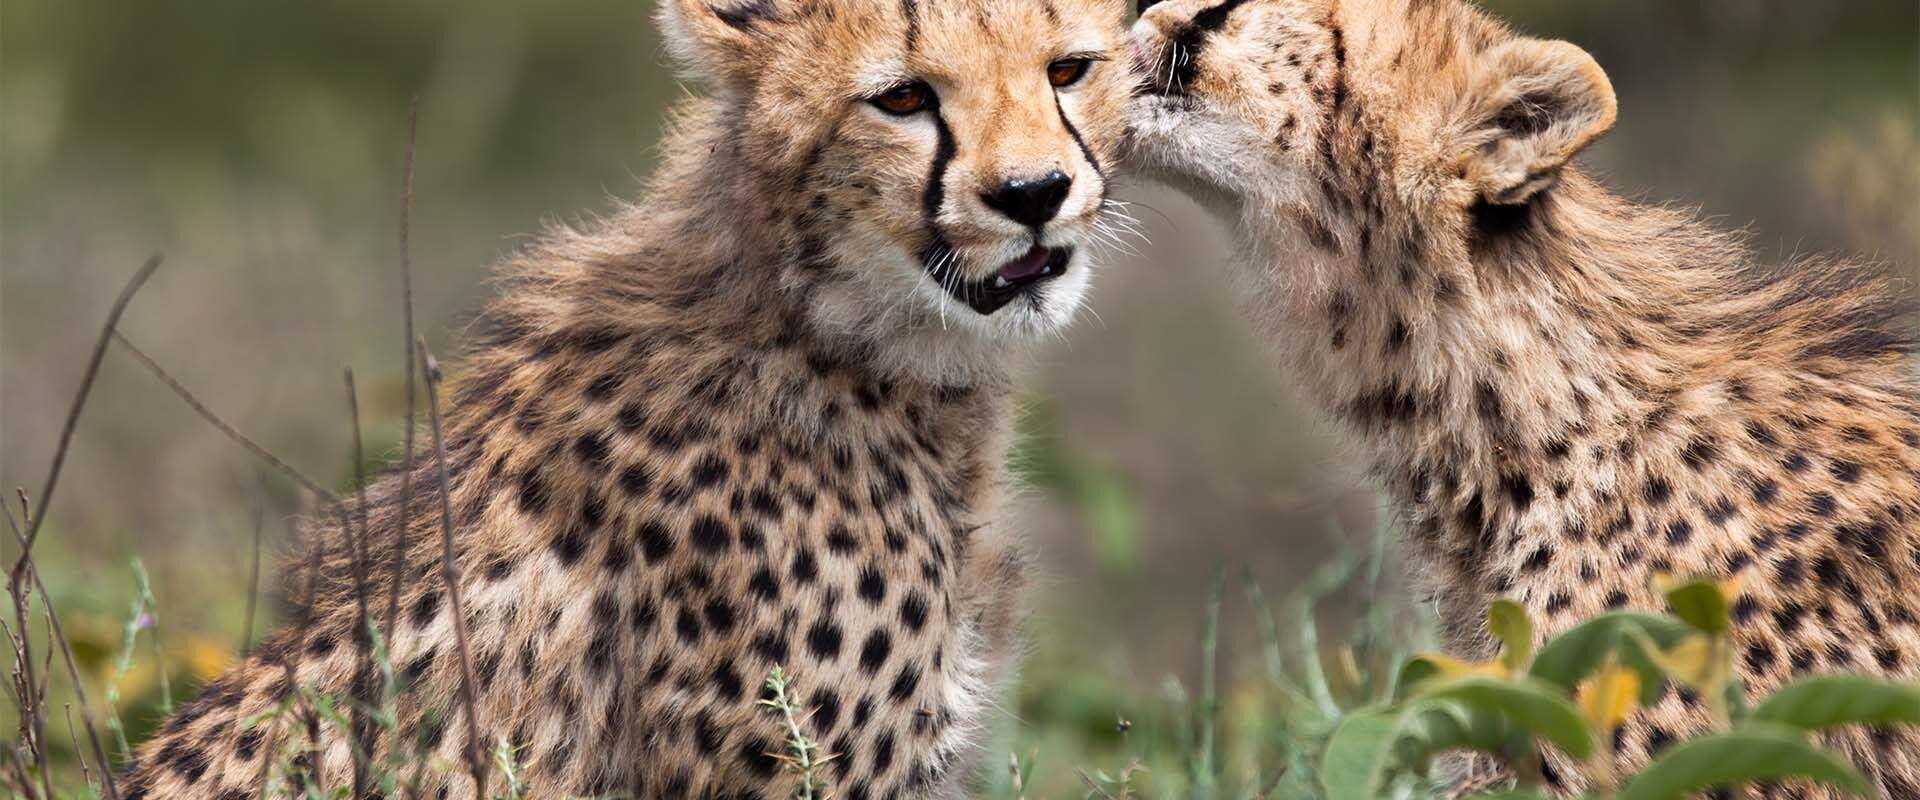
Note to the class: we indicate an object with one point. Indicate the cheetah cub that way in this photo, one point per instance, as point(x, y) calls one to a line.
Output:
point(1565, 393)
point(756, 419)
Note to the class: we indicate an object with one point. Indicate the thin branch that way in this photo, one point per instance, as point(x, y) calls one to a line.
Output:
point(310, 717)
point(66, 649)
point(253, 577)
point(357, 549)
point(450, 572)
point(214, 419)
point(86, 775)
point(406, 345)
point(80, 400)
point(34, 521)
point(33, 721)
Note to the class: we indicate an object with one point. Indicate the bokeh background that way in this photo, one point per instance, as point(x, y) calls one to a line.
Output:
point(258, 144)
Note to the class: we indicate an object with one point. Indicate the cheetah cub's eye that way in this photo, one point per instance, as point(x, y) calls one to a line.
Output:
point(905, 100)
point(1068, 71)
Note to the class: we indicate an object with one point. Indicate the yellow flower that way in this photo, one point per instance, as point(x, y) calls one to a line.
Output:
point(1609, 696)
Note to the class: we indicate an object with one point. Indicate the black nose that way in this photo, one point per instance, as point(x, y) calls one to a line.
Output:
point(1146, 4)
point(1031, 203)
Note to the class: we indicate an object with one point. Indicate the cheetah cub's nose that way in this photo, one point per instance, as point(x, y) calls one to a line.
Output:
point(1031, 203)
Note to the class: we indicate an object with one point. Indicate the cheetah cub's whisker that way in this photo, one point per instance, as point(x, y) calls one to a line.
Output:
point(1565, 393)
point(754, 420)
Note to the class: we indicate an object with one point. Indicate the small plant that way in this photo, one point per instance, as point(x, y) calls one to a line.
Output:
point(1578, 687)
point(802, 758)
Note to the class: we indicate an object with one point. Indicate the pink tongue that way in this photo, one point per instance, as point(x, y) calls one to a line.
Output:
point(1026, 266)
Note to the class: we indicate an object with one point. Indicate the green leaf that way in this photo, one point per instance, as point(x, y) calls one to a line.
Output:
point(1510, 624)
point(1700, 604)
point(1572, 656)
point(1825, 702)
point(1535, 705)
point(1444, 726)
point(1516, 794)
point(1416, 672)
point(1752, 753)
point(1360, 753)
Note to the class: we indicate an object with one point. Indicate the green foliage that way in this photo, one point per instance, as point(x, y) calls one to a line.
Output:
point(1107, 506)
point(1588, 681)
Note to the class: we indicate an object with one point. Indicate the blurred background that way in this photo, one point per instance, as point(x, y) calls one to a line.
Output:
point(258, 144)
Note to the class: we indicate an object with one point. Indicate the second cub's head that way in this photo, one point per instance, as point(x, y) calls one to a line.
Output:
point(935, 165)
point(1341, 119)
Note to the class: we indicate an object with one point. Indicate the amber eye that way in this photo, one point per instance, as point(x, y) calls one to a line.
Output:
point(905, 99)
point(1068, 71)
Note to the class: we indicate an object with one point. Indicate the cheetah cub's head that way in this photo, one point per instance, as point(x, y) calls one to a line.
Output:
point(1330, 121)
point(940, 167)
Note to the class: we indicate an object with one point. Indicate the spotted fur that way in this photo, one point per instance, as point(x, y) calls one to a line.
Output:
point(1565, 393)
point(753, 420)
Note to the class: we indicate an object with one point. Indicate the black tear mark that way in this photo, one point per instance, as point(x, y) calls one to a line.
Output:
point(746, 15)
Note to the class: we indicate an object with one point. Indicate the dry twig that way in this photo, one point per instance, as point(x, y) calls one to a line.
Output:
point(406, 450)
point(450, 573)
point(66, 649)
point(222, 425)
point(357, 549)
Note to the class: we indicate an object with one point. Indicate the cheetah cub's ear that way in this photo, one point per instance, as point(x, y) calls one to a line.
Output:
point(1536, 105)
point(716, 41)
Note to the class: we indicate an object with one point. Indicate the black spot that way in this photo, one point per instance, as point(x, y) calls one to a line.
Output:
point(726, 681)
point(424, 609)
point(604, 387)
point(841, 541)
point(1679, 531)
point(1518, 489)
point(719, 614)
point(1700, 452)
point(709, 535)
point(1887, 657)
point(1829, 571)
point(636, 479)
point(913, 611)
point(1845, 471)
point(709, 471)
point(533, 492)
point(804, 568)
point(874, 652)
point(1821, 504)
point(592, 449)
point(771, 647)
point(872, 586)
point(687, 626)
point(1658, 491)
point(1788, 572)
point(905, 683)
point(655, 541)
point(826, 710)
point(764, 584)
point(823, 640)
point(761, 758)
point(569, 545)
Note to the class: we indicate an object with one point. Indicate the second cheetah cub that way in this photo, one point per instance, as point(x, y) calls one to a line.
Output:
point(1564, 392)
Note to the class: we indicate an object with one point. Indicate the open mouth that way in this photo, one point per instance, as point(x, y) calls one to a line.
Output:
point(1020, 277)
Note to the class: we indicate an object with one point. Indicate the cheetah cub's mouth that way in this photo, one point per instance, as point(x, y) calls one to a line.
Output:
point(1021, 277)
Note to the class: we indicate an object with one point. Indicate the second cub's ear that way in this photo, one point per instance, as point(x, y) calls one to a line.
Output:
point(716, 40)
point(1536, 105)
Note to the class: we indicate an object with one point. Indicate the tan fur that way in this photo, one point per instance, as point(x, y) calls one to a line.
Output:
point(1566, 393)
point(735, 426)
